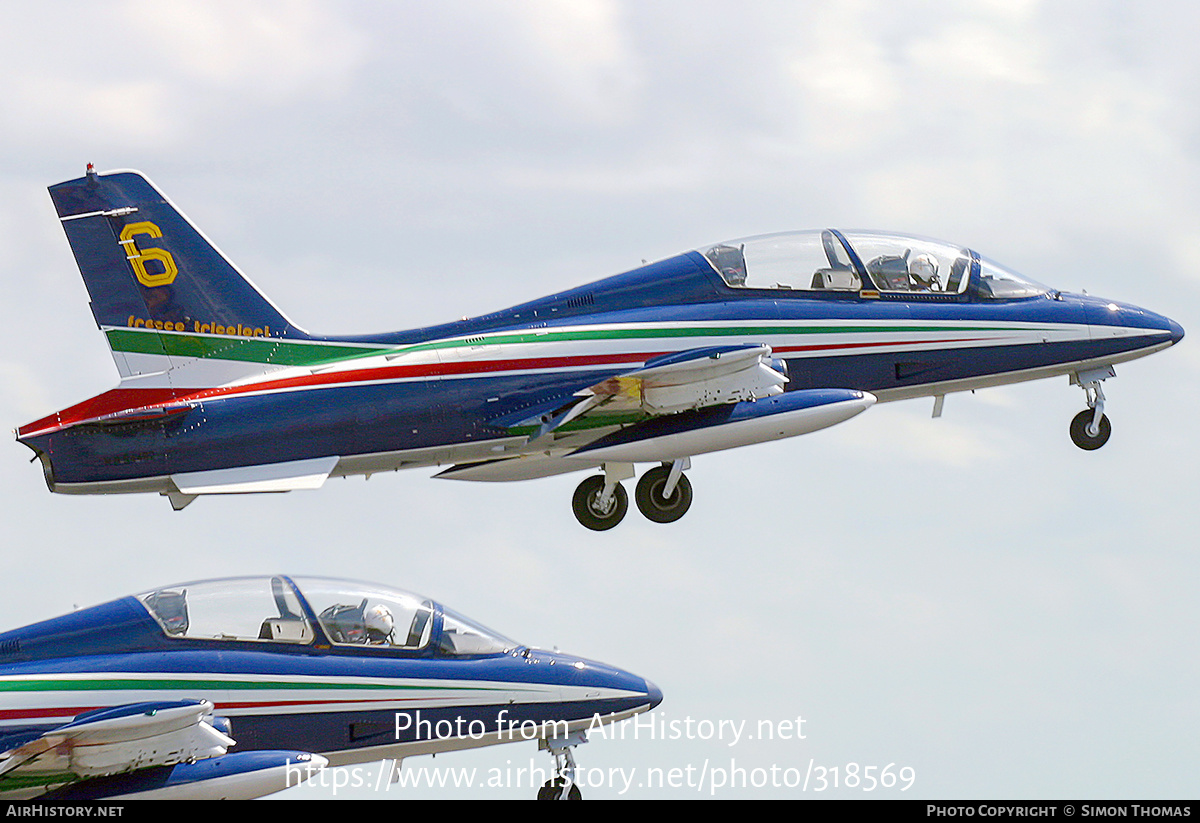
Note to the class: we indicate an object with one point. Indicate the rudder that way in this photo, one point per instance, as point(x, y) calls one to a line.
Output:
point(158, 286)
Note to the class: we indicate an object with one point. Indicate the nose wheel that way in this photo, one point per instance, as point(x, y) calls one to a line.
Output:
point(553, 790)
point(1090, 428)
point(1086, 434)
point(562, 786)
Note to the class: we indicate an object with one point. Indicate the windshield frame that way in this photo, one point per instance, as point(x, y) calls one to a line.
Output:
point(234, 605)
point(229, 608)
point(864, 264)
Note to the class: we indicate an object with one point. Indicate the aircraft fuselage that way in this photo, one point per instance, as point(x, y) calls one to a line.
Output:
point(386, 403)
point(352, 672)
point(738, 343)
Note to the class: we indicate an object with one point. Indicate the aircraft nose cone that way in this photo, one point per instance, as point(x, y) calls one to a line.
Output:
point(654, 693)
point(1176, 331)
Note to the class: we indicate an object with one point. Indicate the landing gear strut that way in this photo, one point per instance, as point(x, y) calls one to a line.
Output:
point(664, 494)
point(562, 785)
point(1090, 428)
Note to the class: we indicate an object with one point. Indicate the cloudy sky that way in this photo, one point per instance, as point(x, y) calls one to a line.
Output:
point(972, 597)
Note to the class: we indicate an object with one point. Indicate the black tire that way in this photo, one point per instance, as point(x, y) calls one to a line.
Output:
point(552, 789)
point(584, 504)
point(1079, 431)
point(650, 500)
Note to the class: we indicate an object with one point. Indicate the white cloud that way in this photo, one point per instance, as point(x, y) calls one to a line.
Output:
point(582, 54)
point(903, 435)
point(43, 109)
point(973, 50)
point(847, 84)
point(266, 49)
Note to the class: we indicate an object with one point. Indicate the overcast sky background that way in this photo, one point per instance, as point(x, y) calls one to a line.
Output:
point(972, 596)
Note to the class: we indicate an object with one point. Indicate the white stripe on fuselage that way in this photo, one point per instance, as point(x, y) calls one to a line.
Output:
point(365, 694)
point(205, 373)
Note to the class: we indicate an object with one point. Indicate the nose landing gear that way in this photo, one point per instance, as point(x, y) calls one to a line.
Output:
point(562, 785)
point(1090, 428)
point(1086, 434)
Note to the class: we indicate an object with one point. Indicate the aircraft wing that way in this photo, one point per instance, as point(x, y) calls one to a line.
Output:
point(677, 382)
point(169, 749)
point(672, 407)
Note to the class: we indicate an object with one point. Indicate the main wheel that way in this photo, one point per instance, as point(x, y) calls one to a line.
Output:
point(589, 511)
point(652, 503)
point(1079, 431)
point(553, 788)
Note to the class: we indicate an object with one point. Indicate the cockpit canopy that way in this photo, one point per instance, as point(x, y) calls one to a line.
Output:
point(285, 609)
point(858, 261)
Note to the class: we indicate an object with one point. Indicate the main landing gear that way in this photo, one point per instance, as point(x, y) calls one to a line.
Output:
point(562, 785)
point(663, 495)
point(1090, 428)
point(600, 502)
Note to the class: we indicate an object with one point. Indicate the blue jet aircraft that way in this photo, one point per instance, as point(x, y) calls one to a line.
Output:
point(143, 696)
point(727, 345)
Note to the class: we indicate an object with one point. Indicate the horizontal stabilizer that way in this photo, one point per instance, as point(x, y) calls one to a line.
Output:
point(269, 477)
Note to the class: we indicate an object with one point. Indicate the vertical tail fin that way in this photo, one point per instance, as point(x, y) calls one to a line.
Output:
point(160, 291)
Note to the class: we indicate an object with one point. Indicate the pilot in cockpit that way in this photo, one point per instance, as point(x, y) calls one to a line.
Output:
point(730, 261)
point(358, 624)
point(923, 273)
point(380, 626)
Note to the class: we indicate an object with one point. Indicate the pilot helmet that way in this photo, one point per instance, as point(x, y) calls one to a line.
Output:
point(379, 623)
point(924, 269)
